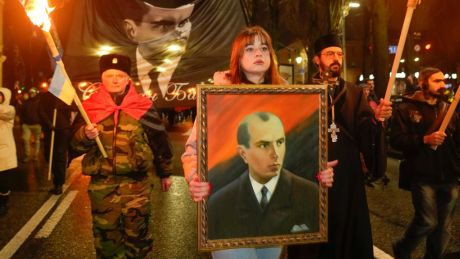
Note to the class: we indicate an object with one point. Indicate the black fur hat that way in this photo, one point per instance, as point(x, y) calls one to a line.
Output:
point(115, 61)
point(328, 40)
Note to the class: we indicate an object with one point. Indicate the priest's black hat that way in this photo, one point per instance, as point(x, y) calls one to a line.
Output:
point(115, 61)
point(169, 3)
point(328, 40)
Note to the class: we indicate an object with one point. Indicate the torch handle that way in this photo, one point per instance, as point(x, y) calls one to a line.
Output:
point(88, 122)
point(53, 132)
point(52, 46)
point(56, 56)
point(413, 3)
point(402, 41)
point(449, 113)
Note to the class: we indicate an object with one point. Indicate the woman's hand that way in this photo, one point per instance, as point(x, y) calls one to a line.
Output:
point(198, 189)
point(326, 177)
point(222, 78)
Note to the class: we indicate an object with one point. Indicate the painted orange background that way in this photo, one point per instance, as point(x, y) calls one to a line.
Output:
point(226, 111)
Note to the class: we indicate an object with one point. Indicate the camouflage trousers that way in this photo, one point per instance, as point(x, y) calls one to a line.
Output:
point(121, 210)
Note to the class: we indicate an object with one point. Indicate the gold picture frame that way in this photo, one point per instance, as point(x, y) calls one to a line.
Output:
point(296, 212)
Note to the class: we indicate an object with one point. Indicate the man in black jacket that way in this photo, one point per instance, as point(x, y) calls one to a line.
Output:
point(432, 159)
point(49, 104)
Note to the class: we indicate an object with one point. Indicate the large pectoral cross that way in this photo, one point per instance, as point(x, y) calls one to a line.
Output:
point(333, 129)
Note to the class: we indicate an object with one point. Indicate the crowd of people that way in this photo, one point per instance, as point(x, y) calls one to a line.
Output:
point(32, 110)
point(131, 132)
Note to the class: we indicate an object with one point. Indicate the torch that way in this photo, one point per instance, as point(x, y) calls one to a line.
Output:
point(402, 40)
point(450, 112)
point(37, 11)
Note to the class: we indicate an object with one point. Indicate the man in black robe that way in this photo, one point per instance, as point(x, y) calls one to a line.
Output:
point(354, 129)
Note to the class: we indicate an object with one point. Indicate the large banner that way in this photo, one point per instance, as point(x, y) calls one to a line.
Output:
point(174, 44)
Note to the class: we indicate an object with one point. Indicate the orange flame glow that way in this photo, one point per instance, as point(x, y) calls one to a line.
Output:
point(38, 12)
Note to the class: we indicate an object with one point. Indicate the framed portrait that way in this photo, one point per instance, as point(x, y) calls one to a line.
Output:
point(287, 72)
point(260, 147)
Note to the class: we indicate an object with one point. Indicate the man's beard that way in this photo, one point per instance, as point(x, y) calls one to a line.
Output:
point(335, 72)
point(440, 94)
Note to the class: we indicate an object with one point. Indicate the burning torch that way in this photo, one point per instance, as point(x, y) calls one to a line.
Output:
point(38, 12)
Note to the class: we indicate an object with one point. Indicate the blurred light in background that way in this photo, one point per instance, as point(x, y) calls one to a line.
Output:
point(401, 75)
point(104, 50)
point(298, 59)
point(354, 4)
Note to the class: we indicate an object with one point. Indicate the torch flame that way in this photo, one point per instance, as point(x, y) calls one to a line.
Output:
point(38, 11)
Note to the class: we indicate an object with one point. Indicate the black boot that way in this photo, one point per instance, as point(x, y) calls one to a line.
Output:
point(57, 190)
point(4, 203)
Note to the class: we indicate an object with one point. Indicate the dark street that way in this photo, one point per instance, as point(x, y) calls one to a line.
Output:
point(40, 225)
point(271, 75)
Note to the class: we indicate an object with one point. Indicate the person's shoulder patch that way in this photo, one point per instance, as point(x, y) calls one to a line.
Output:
point(415, 116)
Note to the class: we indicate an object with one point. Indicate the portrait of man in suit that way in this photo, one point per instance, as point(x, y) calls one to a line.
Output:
point(160, 29)
point(266, 199)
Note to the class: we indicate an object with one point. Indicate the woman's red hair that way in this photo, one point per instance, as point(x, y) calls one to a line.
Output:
point(245, 37)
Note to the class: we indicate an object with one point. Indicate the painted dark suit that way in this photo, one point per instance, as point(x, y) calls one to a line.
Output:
point(234, 211)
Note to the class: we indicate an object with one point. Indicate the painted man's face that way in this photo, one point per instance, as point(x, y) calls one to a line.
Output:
point(159, 29)
point(267, 147)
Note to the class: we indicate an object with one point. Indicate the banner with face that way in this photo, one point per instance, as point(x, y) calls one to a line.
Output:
point(173, 45)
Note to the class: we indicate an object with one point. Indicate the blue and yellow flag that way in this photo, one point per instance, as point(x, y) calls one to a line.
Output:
point(61, 86)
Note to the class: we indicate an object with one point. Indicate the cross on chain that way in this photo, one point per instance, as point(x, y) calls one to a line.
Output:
point(333, 129)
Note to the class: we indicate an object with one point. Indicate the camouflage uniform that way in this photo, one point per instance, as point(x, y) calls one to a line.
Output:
point(120, 187)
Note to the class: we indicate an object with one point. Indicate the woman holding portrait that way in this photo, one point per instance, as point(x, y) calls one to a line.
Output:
point(252, 61)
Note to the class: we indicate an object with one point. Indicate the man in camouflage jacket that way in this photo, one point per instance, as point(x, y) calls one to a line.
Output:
point(136, 143)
